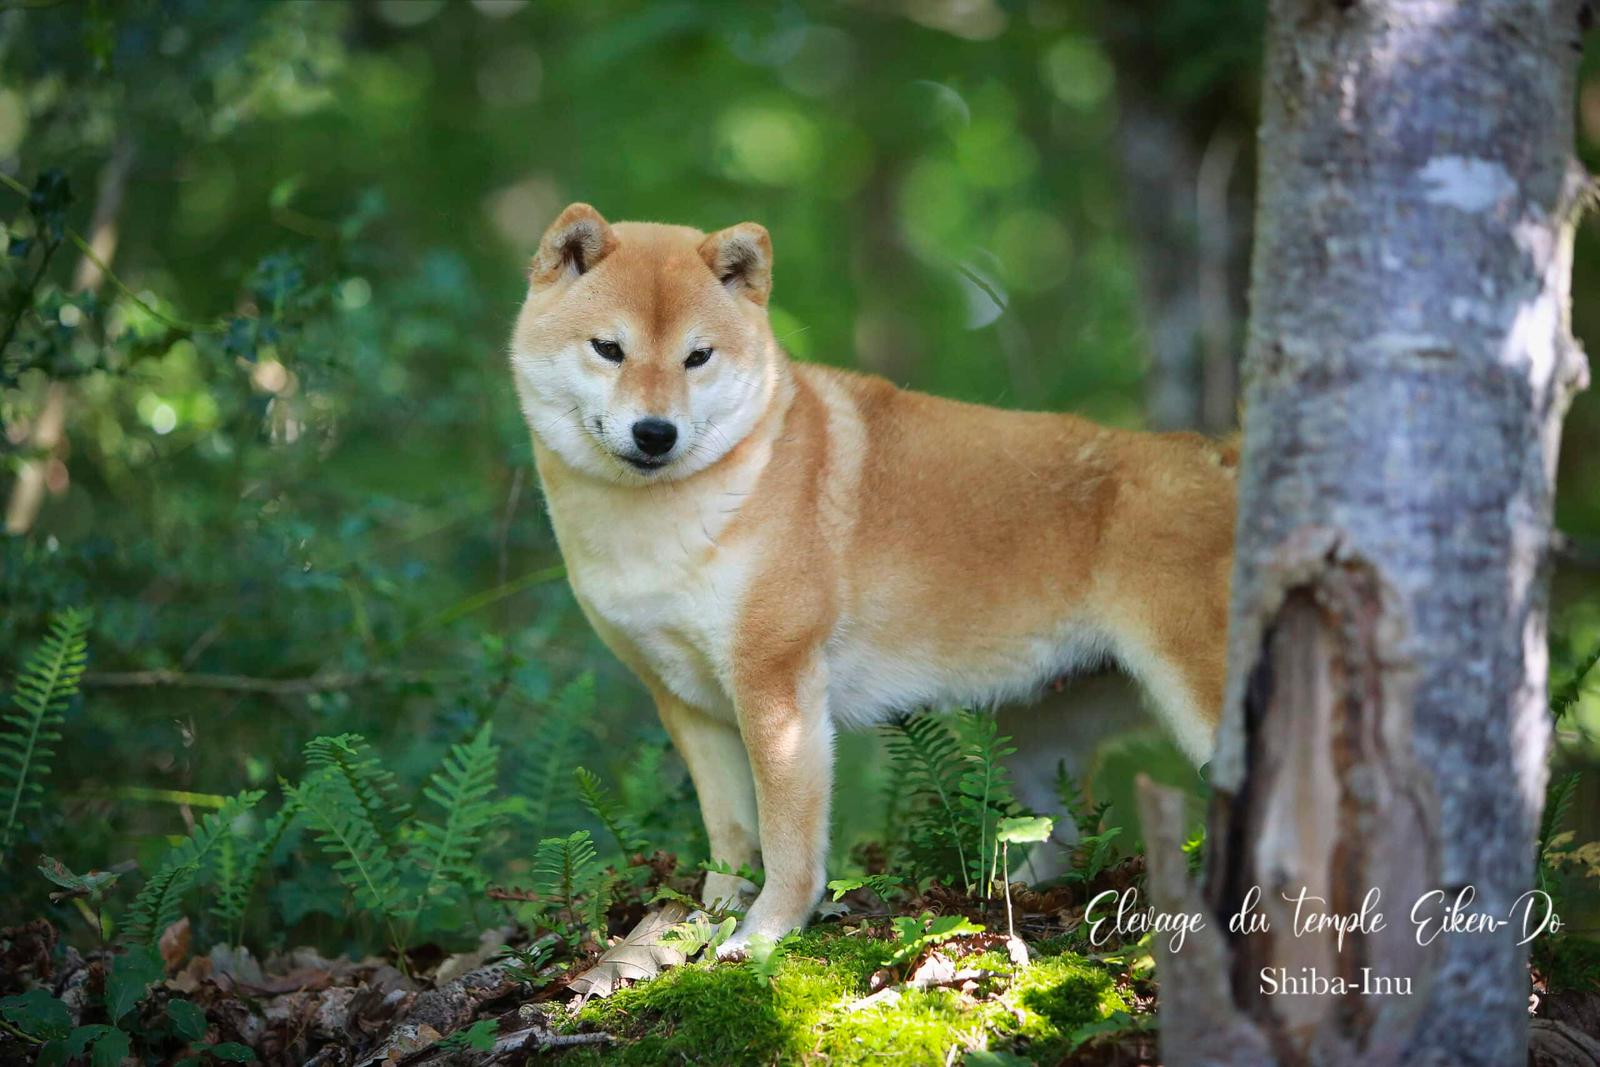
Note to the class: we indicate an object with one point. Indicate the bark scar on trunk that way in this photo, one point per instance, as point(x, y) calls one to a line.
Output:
point(1329, 803)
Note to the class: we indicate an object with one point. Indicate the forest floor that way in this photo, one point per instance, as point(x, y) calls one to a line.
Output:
point(939, 981)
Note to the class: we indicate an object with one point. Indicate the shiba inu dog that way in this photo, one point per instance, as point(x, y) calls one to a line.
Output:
point(780, 549)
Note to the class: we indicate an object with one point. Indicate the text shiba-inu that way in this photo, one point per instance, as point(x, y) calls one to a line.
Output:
point(781, 549)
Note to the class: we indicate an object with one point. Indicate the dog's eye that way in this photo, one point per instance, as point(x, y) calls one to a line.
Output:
point(698, 357)
point(607, 349)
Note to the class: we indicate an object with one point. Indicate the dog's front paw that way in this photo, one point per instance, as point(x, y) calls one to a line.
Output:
point(760, 924)
point(725, 892)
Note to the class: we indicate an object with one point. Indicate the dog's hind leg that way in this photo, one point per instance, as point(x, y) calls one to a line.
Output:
point(1064, 729)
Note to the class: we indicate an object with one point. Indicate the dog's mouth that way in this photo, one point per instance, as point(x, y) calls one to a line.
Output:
point(645, 463)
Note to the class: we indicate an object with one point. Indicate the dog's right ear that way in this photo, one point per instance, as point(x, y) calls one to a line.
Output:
point(574, 243)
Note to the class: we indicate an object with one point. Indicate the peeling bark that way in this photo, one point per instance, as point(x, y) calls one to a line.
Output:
point(1408, 367)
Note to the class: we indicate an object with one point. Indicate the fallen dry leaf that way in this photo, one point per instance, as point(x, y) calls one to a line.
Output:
point(635, 958)
point(174, 944)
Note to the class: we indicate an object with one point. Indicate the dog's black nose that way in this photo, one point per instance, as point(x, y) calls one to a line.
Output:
point(655, 437)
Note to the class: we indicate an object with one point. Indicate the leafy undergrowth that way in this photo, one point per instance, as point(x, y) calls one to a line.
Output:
point(819, 1005)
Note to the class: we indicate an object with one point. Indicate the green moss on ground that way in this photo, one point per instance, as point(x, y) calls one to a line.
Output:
point(724, 1014)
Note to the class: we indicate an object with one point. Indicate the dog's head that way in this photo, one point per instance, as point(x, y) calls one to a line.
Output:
point(643, 352)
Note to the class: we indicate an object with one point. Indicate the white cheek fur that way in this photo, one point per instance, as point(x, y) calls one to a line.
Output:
point(573, 411)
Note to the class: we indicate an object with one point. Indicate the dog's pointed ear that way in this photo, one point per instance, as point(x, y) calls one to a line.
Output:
point(574, 243)
point(741, 258)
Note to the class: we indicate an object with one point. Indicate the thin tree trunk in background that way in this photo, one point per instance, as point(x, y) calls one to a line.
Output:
point(48, 436)
point(1408, 367)
point(1188, 246)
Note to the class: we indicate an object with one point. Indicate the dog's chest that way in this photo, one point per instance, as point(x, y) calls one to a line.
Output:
point(658, 589)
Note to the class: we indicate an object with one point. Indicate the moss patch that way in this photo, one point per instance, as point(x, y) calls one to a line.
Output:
point(723, 1013)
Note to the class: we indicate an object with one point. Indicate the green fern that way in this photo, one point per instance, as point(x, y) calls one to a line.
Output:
point(463, 788)
point(542, 782)
point(567, 872)
point(28, 735)
point(159, 903)
point(349, 758)
point(239, 872)
point(361, 859)
point(604, 805)
point(927, 762)
point(1564, 697)
point(985, 790)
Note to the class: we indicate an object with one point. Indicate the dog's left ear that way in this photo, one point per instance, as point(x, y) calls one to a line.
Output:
point(741, 258)
point(578, 239)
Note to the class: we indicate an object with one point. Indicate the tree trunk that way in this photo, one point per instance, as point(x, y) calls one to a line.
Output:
point(1408, 366)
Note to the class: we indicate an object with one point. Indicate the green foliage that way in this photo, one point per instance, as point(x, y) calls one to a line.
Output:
point(1096, 848)
point(766, 954)
point(94, 885)
point(545, 770)
point(1564, 696)
point(30, 732)
point(567, 872)
point(132, 974)
point(887, 886)
point(463, 790)
point(527, 964)
point(107, 1047)
point(603, 805)
point(347, 833)
point(914, 936)
point(350, 761)
point(699, 934)
point(241, 872)
point(160, 902)
point(479, 1037)
point(956, 791)
point(36, 1014)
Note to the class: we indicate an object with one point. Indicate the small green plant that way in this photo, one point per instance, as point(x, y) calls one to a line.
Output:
point(887, 886)
point(30, 732)
point(527, 964)
point(241, 865)
point(86, 891)
point(568, 875)
point(479, 1037)
point(160, 902)
point(914, 936)
point(604, 805)
point(1096, 848)
point(396, 864)
point(699, 933)
point(766, 954)
point(957, 790)
point(546, 768)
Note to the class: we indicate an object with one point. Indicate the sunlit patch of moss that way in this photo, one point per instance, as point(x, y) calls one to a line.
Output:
point(725, 1014)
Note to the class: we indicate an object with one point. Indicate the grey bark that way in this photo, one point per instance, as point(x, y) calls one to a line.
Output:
point(1408, 365)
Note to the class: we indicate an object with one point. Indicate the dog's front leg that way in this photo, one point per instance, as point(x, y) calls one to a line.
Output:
point(714, 753)
point(789, 737)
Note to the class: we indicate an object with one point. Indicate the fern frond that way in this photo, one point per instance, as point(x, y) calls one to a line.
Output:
point(361, 860)
point(985, 788)
point(463, 788)
point(567, 872)
point(604, 805)
point(240, 873)
point(349, 757)
point(1564, 697)
point(160, 902)
point(927, 760)
point(543, 779)
point(1557, 803)
point(28, 735)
